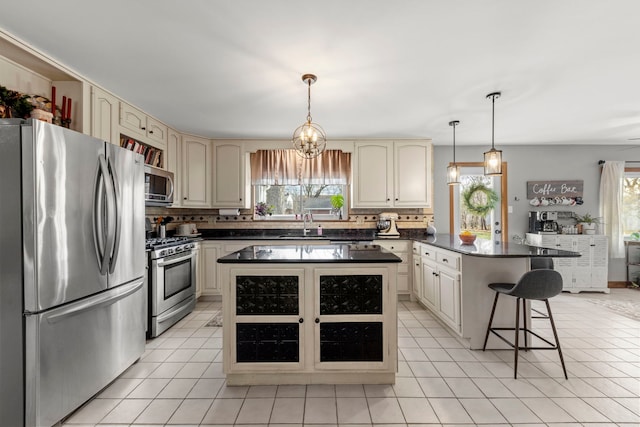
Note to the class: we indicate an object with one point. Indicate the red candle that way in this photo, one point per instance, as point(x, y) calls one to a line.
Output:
point(53, 101)
point(69, 108)
point(64, 107)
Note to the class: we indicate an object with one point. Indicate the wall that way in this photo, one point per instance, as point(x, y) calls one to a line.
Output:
point(18, 78)
point(536, 163)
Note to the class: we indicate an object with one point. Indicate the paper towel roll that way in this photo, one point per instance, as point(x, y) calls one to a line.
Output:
point(229, 212)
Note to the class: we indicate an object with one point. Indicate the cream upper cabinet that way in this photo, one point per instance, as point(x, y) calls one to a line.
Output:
point(104, 116)
point(196, 172)
point(137, 124)
point(230, 180)
point(412, 174)
point(392, 174)
point(173, 162)
point(373, 175)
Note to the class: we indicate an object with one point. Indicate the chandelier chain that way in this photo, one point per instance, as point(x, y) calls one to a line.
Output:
point(309, 101)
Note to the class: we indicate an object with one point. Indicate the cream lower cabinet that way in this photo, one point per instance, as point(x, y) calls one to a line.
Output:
point(416, 262)
point(309, 324)
point(209, 254)
point(440, 277)
point(402, 249)
point(196, 172)
point(586, 273)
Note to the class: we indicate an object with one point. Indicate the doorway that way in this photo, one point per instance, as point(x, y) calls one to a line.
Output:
point(479, 203)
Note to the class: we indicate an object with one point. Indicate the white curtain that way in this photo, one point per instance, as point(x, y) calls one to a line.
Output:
point(611, 188)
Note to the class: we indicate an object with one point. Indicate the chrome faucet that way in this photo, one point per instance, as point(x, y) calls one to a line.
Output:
point(306, 217)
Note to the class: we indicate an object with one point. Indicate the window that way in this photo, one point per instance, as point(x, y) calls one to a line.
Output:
point(292, 186)
point(291, 201)
point(631, 201)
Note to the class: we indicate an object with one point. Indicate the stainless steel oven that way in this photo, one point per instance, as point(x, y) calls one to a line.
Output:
point(172, 284)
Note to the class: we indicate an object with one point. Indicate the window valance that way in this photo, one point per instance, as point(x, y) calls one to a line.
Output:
point(285, 167)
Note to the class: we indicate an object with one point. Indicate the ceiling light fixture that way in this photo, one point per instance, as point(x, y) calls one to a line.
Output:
point(453, 170)
point(493, 157)
point(309, 139)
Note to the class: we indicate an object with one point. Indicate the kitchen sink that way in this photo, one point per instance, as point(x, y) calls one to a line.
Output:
point(302, 237)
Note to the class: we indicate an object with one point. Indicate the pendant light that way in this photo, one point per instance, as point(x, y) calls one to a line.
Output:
point(493, 157)
point(453, 170)
point(309, 140)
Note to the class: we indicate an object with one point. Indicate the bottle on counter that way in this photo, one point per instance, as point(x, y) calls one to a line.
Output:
point(319, 230)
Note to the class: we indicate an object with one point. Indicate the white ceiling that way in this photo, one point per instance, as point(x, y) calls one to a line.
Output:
point(569, 70)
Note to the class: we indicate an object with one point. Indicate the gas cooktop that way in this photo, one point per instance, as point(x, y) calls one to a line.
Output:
point(165, 242)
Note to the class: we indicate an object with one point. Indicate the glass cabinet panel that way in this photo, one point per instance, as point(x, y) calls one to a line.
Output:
point(353, 294)
point(351, 341)
point(267, 295)
point(267, 342)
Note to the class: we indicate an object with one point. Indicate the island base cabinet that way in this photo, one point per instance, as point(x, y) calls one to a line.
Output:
point(307, 325)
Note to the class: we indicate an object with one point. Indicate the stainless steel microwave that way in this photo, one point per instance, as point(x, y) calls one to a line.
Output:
point(158, 187)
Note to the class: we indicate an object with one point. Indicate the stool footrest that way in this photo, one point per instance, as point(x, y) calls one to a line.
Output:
point(551, 346)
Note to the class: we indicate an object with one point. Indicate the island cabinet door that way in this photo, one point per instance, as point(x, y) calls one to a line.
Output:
point(351, 320)
point(266, 309)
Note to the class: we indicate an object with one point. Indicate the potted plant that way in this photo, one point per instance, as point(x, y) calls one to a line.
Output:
point(337, 201)
point(588, 223)
point(263, 209)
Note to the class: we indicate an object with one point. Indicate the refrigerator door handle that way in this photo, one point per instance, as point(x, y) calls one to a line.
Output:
point(100, 300)
point(110, 215)
point(98, 218)
point(118, 218)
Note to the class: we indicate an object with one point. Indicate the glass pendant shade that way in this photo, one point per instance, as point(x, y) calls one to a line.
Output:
point(453, 170)
point(493, 162)
point(493, 157)
point(453, 174)
point(309, 139)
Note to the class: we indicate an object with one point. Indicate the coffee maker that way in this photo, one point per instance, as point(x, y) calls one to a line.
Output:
point(387, 225)
point(543, 222)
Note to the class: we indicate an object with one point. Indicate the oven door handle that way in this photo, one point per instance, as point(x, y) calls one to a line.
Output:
point(167, 262)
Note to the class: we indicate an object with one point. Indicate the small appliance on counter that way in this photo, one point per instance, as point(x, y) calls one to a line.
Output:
point(543, 222)
point(387, 225)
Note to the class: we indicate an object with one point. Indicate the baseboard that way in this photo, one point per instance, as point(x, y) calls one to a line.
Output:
point(622, 284)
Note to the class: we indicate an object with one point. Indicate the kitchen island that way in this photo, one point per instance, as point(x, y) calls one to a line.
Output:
point(453, 279)
point(310, 314)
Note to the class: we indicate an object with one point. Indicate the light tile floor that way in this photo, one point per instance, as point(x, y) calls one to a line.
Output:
point(179, 379)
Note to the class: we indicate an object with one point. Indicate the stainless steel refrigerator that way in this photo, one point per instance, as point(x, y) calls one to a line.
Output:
point(72, 264)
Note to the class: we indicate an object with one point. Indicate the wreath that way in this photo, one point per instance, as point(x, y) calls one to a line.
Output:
point(474, 204)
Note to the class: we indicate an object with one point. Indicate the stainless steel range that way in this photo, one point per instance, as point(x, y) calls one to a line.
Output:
point(171, 281)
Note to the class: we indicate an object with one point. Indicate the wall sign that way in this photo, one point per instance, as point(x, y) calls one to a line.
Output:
point(544, 193)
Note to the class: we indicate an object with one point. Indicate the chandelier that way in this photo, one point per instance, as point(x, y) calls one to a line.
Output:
point(309, 139)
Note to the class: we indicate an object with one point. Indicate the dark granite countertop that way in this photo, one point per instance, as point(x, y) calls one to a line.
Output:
point(487, 248)
point(350, 235)
point(336, 253)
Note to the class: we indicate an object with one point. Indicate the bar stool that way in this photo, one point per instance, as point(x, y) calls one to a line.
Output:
point(536, 264)
point(540, 284)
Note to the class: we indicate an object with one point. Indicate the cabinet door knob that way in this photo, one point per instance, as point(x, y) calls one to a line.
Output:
point(185, 198)
point(396, 199)
point(388, 199)
point(317, 320)
point(301, 320)
point(150, 131)
point(143, 128)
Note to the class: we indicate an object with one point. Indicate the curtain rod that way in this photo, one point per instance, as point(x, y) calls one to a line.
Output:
point(601, 162)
